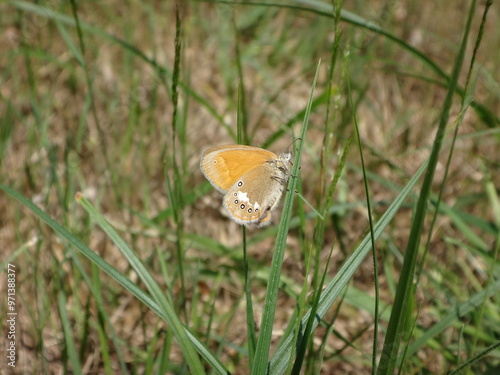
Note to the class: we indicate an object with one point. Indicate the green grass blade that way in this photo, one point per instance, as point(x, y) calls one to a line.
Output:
point(397, 324)
point(372, 236)
point(264, 340)
point(154, 289)
point(76, 367)
point(279, 361)
point(485, 352)
point(326, 9)
point(305, 339)
point(251, 331)
point(110, 270)
point(455, 315)
point(163, 72)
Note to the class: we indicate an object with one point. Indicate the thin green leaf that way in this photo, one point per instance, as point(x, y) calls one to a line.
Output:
point(69, 340)
point(110, 270)
point(279, 361)
point(397, 324)
point(264, 341)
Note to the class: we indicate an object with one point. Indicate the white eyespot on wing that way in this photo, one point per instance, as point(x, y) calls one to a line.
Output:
point(243, 197)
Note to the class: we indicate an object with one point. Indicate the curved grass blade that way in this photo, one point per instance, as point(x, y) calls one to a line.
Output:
point(154, 289)
point(113, 272)
point(396, 327)
point(261, 364)
point(163, 72)
point(279, 361)
point(326, 9)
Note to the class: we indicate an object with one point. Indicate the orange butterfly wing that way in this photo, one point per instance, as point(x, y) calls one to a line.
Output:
point(224, 165)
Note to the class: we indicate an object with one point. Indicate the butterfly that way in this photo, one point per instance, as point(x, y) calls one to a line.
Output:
point(252, 179)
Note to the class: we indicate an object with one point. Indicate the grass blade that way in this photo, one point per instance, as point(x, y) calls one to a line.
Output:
point(279, 361)
point(264, 341)
point(396, 327)
point(125, 282)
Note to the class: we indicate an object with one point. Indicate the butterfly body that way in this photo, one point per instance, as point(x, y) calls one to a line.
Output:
point(252, 179)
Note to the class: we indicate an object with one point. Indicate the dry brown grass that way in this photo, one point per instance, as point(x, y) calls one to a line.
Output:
point(55, 148)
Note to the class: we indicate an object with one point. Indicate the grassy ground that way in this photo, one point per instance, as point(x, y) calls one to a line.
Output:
point(117, 101)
